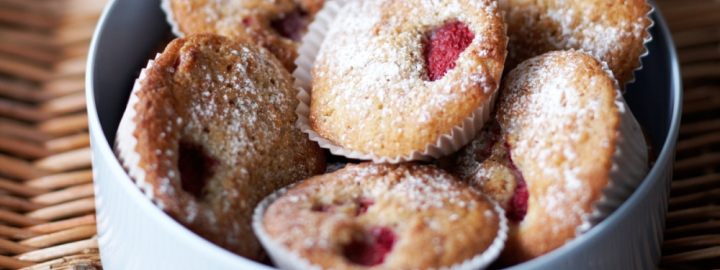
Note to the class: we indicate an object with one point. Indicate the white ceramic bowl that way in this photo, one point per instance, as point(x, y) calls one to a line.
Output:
point(134, 234)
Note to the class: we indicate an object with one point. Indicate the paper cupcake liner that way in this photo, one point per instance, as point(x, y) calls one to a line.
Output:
point(646, 51)
point(446, 144)
point(288, 260)
point(483, 260)
point(125, 141)
point(629, 164)
point(170, 18)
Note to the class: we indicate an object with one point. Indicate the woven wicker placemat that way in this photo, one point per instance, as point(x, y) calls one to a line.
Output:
point(47, 216)
point(47, 206)
point(692, 235)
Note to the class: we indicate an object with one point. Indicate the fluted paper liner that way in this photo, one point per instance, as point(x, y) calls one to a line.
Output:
point(629, 164)
point(648, 39)
point(125, 141)
point(288, 260)
point(446, 144)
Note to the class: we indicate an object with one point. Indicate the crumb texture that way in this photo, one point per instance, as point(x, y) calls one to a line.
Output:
point(276, 25)
point(414, 209)
point(371, 89)
point(224, 111)
point(611, 30)
point(548, 159)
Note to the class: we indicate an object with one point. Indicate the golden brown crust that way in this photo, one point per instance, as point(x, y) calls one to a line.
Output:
point(611, 30)
point(370, 89)
point(558, 119)
point(438, 221)
point(236, 101)
point(561, 122)
point(245, 19)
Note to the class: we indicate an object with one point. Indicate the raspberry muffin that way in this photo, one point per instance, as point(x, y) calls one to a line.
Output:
point(613, 31)
point(277, 25)
point(381, 217)
point(565, 152)
point(209, 132)
point(402, 80)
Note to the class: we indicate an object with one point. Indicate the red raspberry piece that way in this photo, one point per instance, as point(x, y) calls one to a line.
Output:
point(362, 205)
point(291, 24)
point(196, 167)
point(323, 208)
point(247, 21)
point(518, 203)
point(443, 47)
point(371, 250)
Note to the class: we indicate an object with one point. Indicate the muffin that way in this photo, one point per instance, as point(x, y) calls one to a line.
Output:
point(611, 30)
point(565, 152)
point(209, 132)
point(401, 80)
point(276, 25)
point(381, 216)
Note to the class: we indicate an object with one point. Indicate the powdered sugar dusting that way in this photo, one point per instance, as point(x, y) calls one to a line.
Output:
point(553, 107)
point(236, 102)
point(613, 32)
point(224, 15)
point(420, 190)
point(415, 202)
point(370, 68)
point(233, 104)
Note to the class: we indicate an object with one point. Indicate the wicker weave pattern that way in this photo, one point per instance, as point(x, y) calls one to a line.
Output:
point(47, 216)
point(46, 196)
point(692, 236)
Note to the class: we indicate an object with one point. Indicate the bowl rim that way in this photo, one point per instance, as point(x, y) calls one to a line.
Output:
point(665, 158)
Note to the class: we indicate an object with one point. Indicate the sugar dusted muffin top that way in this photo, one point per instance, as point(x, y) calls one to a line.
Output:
point(393, 77)
point(549, 157)
point(383, 216)
point(277, 25)
point(210, 131)
point(611, 30)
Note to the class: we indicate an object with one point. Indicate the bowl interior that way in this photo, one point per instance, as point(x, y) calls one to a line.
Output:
point(132, 31)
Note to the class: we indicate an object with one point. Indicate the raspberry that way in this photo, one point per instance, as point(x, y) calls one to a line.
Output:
point(372, 250)
point(362, 205)
point(518, 203)
point(291, 24)
point(323, 208)
point(443, 47)
point(196, 167)
point(247, 21)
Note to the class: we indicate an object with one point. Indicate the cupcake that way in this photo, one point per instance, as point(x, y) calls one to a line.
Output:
point(276, 25)
point(381, 216)
point(400, 80)
point(565, 152)
point(209, 132)
point(613, 31)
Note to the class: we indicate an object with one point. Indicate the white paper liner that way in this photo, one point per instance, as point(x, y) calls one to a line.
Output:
point(288, 260)
point(446, 144)
point(125, 141)
point(646, 51)
point(165, 6)
point(629, 164)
